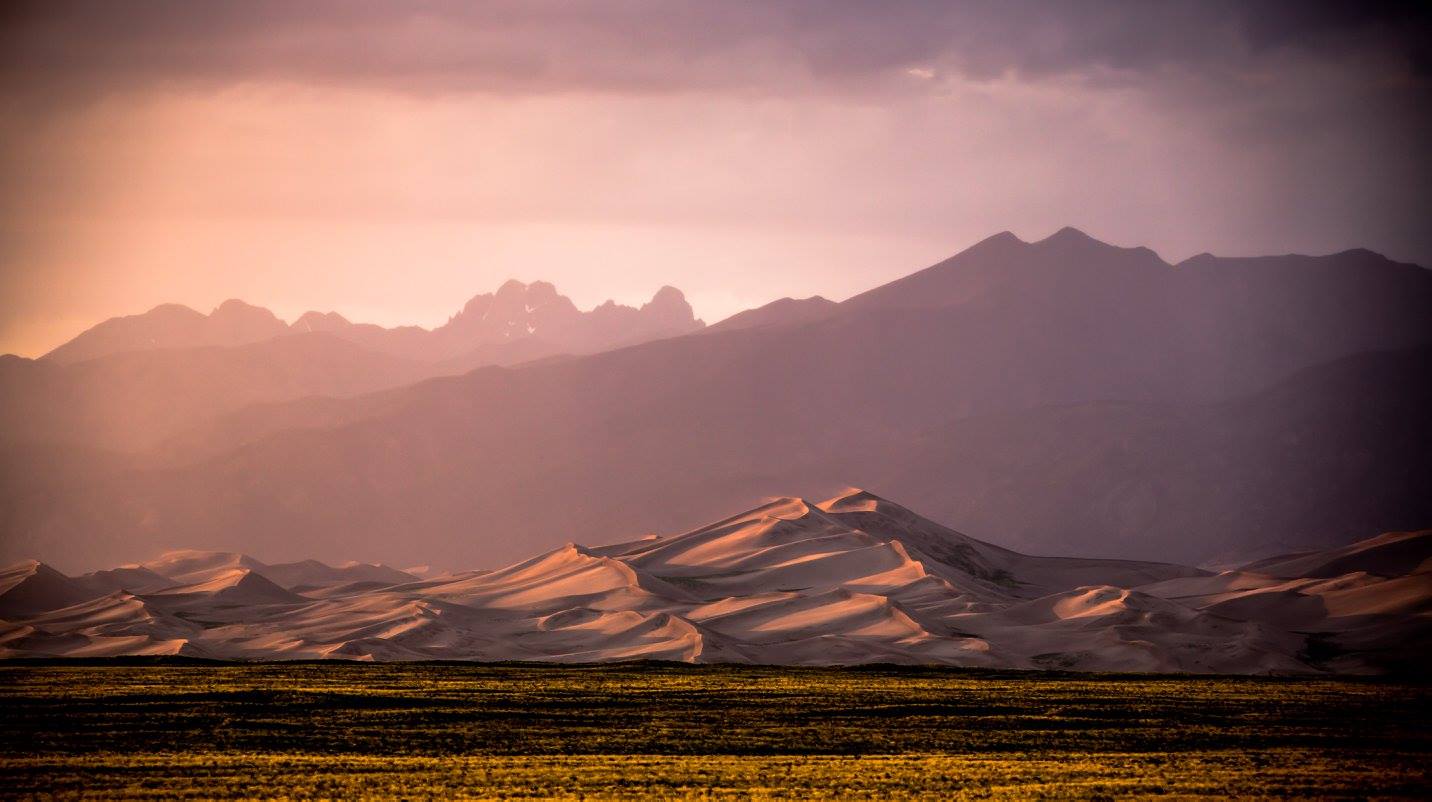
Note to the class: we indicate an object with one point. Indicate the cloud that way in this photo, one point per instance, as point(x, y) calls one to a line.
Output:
point(174, 150)
point(96, 46)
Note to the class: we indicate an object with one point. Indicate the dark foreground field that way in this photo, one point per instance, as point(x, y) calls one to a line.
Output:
point(304, 730)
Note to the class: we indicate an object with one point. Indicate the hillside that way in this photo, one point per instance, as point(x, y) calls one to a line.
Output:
point(1141, 379)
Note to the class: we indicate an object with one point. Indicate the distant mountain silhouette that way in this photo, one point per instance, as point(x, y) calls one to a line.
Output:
point(172, 326)
point(783, 312)
point(517, 312)
point(1331, 453)
point(137, 399)
point(1209, 327)
point(132, 382)
point(1062, 396)
point(530, 318)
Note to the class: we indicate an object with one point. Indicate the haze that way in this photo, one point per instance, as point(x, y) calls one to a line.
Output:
point(388, 162)
point(1023, 335)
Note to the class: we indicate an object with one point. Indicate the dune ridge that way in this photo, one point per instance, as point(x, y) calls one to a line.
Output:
point(853, 579)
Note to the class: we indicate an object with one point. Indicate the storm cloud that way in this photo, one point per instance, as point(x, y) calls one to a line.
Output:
point(676, 46)
point(294, 153)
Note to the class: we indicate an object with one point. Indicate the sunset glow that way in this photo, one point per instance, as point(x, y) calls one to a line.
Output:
point(713, 399)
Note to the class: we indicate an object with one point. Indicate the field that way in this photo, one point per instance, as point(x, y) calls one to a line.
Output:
point(137, 729)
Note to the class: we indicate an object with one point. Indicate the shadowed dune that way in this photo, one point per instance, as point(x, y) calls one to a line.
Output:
point(856, 579)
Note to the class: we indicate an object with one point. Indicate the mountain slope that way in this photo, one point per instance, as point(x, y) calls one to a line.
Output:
point(494, 464)
point(1332, 452)
point(783, 312)
point(135, 400)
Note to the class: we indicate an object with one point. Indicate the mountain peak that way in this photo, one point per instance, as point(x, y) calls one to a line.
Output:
point(233, 305)
point(668, 294)
point(1003, 243)
point(1003, 237)
point(538, 313)
point(669, 303)
point(170, 310)
point(999, 263)
point(541, 292)
point(1068, 235)
point(172, 326)
point(1203, 258)
point(247, 322)
point(535, 313)
point(320, 321)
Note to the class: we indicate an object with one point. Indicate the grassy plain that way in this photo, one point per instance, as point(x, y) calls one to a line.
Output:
point(137, 730)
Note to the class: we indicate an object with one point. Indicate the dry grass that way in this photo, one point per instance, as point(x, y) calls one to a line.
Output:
point(347, 731)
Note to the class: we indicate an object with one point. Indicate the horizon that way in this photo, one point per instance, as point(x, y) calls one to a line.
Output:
point(291, 317)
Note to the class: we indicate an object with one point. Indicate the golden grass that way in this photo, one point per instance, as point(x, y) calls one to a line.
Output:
point(341, 731)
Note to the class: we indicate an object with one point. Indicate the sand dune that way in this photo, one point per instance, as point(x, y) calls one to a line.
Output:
point(33, 587)
point(1390, 554)
point(854, 579)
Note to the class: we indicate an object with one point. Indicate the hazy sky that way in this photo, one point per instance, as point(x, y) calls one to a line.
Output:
point(390, 160)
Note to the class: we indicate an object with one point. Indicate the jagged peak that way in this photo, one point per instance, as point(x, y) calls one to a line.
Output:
point(475, 305)
point(670, 306)
point(667, 294)
point(235, 310)
point(236, 305)
point(540, 293)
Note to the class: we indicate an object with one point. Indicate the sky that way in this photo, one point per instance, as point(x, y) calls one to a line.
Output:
point(390, 160)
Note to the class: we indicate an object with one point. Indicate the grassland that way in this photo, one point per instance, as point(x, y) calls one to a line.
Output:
point(346, 731)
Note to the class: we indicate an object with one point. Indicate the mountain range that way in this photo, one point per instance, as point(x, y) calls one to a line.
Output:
point(131, 382)
point(1063, 397)
point(855, 579)
point(486, 324)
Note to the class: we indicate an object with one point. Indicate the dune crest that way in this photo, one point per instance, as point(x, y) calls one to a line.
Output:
point(852, 579)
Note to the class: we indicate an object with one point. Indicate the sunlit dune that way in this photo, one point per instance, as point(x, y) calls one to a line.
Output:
point(854, 579)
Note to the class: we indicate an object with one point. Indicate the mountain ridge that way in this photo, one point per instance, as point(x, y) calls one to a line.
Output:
point(672, 431)
point(516, 310)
